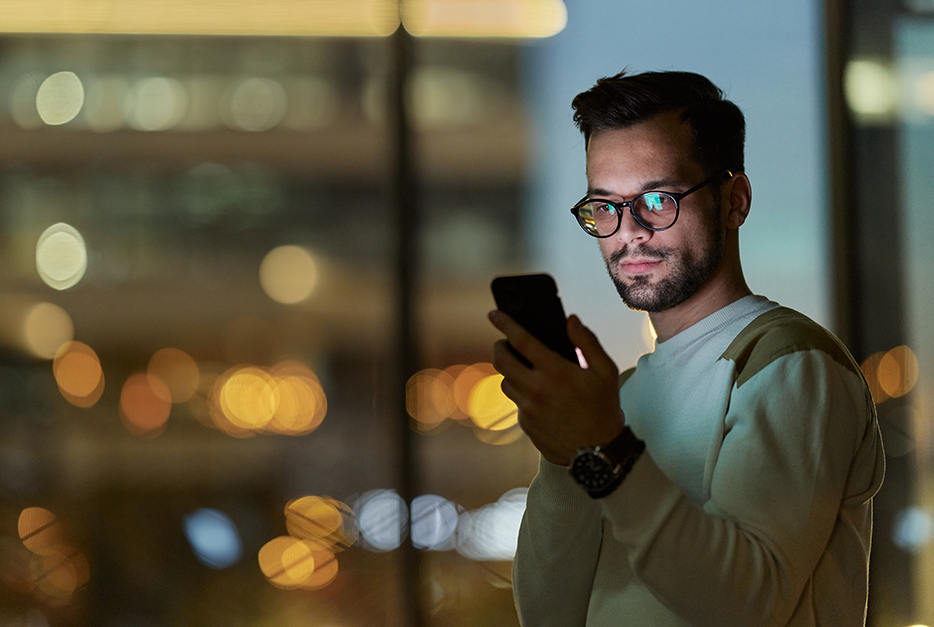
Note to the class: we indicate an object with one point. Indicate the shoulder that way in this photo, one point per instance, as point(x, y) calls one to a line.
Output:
point(780, 332)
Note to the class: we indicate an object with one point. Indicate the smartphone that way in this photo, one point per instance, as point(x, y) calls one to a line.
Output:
point(532, 301)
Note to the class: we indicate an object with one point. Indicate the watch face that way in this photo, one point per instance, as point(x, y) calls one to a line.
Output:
point(592, 470)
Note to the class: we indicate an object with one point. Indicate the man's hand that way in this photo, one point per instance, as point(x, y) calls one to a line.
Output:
point(562, 407)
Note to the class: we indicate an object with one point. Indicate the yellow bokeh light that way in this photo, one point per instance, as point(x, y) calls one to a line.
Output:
point(484, 18)
point(78, 373)
point(489, 407)
point(870, 368)
point(286, 562)
point(871, 89)
point(288, 274)
point(145, 404)
point(46, 328)
point(429, 396)
point(60, 98)
point(39, 529)
point(177, 370)
point(898, 371)
point(464, 381)
point(61, 256)
point(326, 567)
point(250, 398)
point(320, 519)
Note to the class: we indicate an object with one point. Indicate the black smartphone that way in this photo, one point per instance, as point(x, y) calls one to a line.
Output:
point(532, 301)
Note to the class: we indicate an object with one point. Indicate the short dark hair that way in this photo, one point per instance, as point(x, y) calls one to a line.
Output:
point(717, 125)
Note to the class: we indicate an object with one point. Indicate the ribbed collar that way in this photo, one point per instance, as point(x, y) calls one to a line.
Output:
point(748, 305)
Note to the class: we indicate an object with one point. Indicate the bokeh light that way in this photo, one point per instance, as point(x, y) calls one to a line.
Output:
point(254, 104)
point(870, 368)
point(145, 404)
point(321, 519)
point(177, 370)
point(78, 374)
point(898, 371)
point(871, 89)
point(465, 379)
point(491, 533)
point(429, 397)
point(914, 529)
point(214, 538)
point(61, 256)
point(39, 529)
point(249, 398)
point(60, 98)
point(382, 518)
point(288, 274)
point(434, 522)
point(489, 407)
point(46, 328)
point(155, 103)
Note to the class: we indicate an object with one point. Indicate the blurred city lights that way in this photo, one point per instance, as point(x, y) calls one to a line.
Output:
point(491, 533)
point(434, 522)
point(45, 328)
point(60, 98)
point(155, 103)
point(213, 537)
point(288, 274)
point(914, 529)
point(61, 256)
point(891, 374)
point(56, 569)
point(382, 518)
point(177, 370)
point(78, 373)
point(489, 407)
point(254, 104)
point(287, 562)
point(145, 404)
point(321, 519)
point(249, 398)
point(871, 89)
point(898, 371)
point(429, 397)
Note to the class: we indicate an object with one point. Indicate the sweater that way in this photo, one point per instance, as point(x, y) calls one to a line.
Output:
point(752, 504)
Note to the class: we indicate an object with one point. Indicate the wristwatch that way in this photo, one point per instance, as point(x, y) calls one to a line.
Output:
point(600, 469)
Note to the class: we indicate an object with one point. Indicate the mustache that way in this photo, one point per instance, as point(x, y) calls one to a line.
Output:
point(648, 253)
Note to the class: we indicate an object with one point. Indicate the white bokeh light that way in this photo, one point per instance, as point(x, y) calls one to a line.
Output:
point(434, 522)
point(61, 256)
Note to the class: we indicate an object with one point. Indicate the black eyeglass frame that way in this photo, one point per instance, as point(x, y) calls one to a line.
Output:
point(676, 196)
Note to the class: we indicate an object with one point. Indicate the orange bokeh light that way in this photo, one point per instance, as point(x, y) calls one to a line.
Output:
point(145, 404)
point(78, 374)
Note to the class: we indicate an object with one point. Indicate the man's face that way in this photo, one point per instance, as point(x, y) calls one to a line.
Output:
point(656, 270)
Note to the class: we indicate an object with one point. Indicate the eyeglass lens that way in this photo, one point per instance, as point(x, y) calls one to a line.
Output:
point(654, 210)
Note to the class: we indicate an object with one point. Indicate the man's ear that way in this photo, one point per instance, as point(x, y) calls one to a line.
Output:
point(738, 191)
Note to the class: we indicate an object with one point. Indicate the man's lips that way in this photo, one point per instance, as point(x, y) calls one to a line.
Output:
point(638, 266)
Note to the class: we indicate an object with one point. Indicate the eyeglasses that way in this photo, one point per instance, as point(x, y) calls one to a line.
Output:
point(655, 211)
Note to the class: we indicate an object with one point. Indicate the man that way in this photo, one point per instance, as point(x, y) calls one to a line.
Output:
point(727, 479)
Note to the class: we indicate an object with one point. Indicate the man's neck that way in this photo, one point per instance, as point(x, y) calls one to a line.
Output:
point(710, 299)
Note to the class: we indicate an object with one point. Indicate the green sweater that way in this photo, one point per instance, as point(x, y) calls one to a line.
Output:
point(751, 506)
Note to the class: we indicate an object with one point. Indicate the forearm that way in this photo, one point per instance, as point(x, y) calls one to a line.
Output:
point(559, 543)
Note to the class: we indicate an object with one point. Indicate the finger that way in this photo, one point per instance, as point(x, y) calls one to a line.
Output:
point(582, 337)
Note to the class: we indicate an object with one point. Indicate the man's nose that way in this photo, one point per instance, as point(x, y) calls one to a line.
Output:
point(630, 230)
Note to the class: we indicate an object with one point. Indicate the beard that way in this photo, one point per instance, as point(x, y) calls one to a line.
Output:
point(687, 271)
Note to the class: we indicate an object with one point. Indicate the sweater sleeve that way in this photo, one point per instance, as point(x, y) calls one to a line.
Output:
point(559, 543)
point(780, 479)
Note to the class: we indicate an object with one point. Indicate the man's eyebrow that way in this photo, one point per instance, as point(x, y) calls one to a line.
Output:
point(657, 185)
